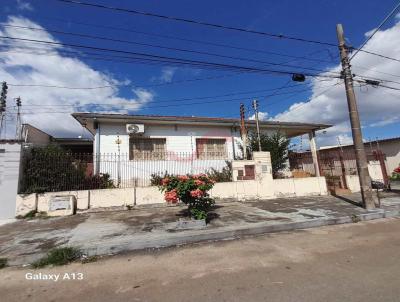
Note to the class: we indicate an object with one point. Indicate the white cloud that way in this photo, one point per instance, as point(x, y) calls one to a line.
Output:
point(24, 5)
point(44, 107)
point(167, 74)
point(377, 106)
point(262, 116)
point(369, 33)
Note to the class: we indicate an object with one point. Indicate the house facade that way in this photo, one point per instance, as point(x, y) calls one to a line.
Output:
point(132, 147)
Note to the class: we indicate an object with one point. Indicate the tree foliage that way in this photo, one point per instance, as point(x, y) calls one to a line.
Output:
point(51, 169)
point(277, 144)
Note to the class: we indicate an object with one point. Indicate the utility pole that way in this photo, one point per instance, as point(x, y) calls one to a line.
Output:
point(243, 131)
point(18, 125)
point(361, 158)
point(3, 101)
point(255, 106)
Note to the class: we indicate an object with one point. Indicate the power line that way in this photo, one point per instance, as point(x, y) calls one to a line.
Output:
point(219, 26)
point(390, 15)
point(50, 52)
point(179, 101)
point(191, 40)
point(161, 47)
point(279, 36)
point(158, 106)
point(174, 60)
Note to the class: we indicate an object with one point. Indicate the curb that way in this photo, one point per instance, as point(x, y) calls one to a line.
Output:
point(130, 243)
point(190, 237)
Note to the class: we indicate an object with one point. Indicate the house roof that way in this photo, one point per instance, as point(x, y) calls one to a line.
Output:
point(291, 128)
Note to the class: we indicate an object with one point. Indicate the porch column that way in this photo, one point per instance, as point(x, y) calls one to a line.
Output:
point(313, 148)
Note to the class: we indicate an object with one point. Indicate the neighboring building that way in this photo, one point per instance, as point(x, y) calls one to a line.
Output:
point(36, 137)
point(390, 147)
point(195, 143)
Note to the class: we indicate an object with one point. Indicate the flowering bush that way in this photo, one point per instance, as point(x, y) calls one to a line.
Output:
point(191, 190)
point(396, 174)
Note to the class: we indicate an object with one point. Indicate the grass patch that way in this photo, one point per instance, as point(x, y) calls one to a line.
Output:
point(90, 259)
point(30, 215)
point(58, 256)
point(33, 214)
point(355, 218)
point(3, 262)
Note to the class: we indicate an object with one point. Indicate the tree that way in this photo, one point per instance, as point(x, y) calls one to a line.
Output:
point(277, 144)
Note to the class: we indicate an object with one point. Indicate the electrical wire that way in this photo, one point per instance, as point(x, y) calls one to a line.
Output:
point(173, 60)
point(219, 26)
point(390, 15)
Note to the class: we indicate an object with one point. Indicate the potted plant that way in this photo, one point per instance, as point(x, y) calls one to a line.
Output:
point(192, 190)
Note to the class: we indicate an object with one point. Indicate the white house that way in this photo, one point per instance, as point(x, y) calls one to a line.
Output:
point(132, 147)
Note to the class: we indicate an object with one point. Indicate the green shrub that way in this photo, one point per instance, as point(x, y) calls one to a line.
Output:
point(396, 174)
point(225, 175)
point(156, 178)
point(58, 256)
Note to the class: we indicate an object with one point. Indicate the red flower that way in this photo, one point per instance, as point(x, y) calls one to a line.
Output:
point(165, 181)
point(199, 182)
point(183, 177)
point(196, 193)
point(397, 170)
point(171, 196)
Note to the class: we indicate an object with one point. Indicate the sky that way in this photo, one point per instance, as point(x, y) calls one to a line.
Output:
point(55, 80)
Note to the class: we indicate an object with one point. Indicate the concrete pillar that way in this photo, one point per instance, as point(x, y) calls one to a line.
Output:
point(313, 148)
point(96, 149)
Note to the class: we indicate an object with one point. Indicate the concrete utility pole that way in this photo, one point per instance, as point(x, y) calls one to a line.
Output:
point(3, 100)
point(255, 106)
point(361, 158)
point(243, 131)
point(18, 125)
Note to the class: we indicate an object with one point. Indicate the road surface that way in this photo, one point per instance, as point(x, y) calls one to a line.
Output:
point(354, 262)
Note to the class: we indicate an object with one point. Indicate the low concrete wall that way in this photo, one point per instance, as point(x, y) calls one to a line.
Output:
point(270, 188)
point(240, 190)
point(353, 183)
point(111, 197)
point(25, 203)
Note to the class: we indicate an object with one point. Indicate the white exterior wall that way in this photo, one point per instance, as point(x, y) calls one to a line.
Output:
point(9, 176)
point(392, 152)
point(180, 139)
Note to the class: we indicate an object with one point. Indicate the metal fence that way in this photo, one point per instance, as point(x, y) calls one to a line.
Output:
point(46, 172)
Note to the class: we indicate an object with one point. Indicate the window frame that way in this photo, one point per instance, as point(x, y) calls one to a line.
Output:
point(204, 155)
point(135, 154)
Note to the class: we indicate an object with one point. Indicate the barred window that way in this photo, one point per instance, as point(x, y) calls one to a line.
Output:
point(211, 148)
point(145, 148)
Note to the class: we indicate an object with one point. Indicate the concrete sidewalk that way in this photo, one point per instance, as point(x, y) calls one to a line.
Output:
point(110, 232)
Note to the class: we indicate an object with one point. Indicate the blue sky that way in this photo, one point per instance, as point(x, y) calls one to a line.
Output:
point(314, 20)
